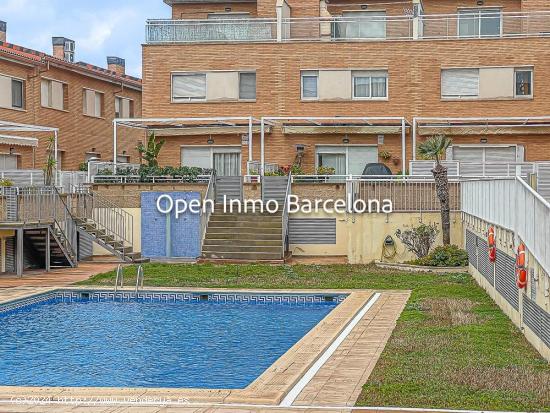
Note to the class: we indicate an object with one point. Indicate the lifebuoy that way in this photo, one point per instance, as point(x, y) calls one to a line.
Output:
point(492, 245)
point(521, 272)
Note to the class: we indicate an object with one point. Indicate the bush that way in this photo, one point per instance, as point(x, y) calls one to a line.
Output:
point(444, 256)
point(418, 240)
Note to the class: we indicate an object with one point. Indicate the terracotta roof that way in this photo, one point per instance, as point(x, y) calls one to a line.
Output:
point(37, 57)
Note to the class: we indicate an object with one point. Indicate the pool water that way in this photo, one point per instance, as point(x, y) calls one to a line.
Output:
point(138, 343)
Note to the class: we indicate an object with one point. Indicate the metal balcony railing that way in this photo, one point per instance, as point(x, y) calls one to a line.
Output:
point(458, 26)
point(200, 31)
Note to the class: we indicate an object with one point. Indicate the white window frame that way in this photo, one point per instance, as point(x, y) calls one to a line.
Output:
point(302, 75)
point(344, 150)
point(220, 149)
point(131, 102)
point(23, 100)
point(356, 74)
point(102, 108)
point(256, 84)
point(188, 99)
point(524, 69)
point(23, 81)
point(458, 97)
point(485, 146)
point(477, 11)
point(50, 80)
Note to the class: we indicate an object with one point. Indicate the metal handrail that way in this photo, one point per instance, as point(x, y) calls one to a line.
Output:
point(285, 214)
point(210, 195)
point(110, 218)
point(139, 278)
point(119, 277)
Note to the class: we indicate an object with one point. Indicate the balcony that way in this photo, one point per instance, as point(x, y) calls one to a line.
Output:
point(462, 26)
point(204, 31)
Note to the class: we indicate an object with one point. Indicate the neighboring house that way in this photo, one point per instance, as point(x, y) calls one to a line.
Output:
point(79, 99)
point(328, 58)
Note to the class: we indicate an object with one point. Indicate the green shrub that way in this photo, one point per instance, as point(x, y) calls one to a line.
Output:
point(444, 256)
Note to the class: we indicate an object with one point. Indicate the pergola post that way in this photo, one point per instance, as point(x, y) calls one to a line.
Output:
point(414, 140)
point(403, 147)
point(115, 151)
point(48, 251)
point(262, 145)
point(55, 148)
point(250, 155)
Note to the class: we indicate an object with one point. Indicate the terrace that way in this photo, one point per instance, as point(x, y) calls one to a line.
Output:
point(460, 26)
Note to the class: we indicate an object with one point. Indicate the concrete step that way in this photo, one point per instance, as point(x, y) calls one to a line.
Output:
point(252, 256)
point(250, 241)
point(243, 230)
point(241, 248)
point(243, 217)
point(252, 235)
point(259, 225)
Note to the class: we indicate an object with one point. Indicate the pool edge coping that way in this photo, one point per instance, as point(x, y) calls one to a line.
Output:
point(268, 388)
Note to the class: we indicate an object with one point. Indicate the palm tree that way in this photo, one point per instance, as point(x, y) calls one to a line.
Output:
point(434, 148)
point(50, 162)
point(151, 152)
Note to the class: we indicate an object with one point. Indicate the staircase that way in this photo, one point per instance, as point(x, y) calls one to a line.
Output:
point(109, 225)
point(243, 236)
point(250, 236)
point(60, 256)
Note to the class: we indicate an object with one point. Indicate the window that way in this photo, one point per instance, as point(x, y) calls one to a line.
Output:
point(53, 94)
point(479, 23)
point(17, 93)
point(370, 84)
point(310, 83)
point(124, 108)
point(247, 86)
point(346, 159)
point(225, 160)
point(524, 83)
point(459, 83)
point(12, 93)
point(188, 87)
point(8, 162)
point(361, 25)
point(93, 103)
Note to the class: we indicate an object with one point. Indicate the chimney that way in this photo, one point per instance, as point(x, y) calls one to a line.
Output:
point(117, 65)
point(63, 48)
point(3, 29)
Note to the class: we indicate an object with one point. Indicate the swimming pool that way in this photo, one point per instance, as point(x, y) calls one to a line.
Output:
point(209, 340)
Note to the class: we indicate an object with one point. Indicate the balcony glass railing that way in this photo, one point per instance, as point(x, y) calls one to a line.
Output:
point(219, 30)
point(465, 25)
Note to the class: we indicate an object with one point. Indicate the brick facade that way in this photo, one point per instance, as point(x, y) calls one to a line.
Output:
point(78, 133)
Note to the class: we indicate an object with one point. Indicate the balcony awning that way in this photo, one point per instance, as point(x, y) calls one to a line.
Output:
point(343, 129)
point(483, 126)
point(18, 141)
point(205, 130)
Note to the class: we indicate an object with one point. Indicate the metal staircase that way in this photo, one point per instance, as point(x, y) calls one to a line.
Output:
point(109, 225)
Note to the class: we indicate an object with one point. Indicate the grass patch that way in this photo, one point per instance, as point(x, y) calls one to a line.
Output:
point(452, 347)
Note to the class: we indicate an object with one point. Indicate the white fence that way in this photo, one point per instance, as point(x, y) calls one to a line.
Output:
point(513, 205)
point(35, 177)
point(479, 169)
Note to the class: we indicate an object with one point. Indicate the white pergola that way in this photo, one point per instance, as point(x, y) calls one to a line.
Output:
point(197, 126)
point(24, 129)
point(424, 126)
point(340, 125)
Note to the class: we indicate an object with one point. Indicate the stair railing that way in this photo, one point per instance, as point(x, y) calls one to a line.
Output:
point(119, 280)
point(65, 227)
point(285, 243)
point(139, 278)
point(116, 223)
point(209, 197)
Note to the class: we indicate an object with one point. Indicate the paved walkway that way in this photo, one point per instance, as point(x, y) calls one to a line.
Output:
point(340, 380)
point(57, 277)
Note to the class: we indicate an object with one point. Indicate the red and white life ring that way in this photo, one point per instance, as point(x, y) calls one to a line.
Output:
point(521, 271)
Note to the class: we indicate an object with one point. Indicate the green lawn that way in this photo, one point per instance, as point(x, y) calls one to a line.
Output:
point(452, 348)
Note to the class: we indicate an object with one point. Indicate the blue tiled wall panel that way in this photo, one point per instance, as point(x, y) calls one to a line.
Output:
point(183, 234)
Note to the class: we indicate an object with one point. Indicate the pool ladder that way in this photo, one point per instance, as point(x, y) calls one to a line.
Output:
point(119, 281)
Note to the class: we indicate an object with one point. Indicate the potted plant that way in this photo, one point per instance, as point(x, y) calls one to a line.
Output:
point(385, 156)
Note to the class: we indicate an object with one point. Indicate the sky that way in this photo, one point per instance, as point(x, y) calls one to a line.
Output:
point(100, 28)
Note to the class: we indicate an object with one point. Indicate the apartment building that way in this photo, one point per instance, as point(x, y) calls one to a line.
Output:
point(474, 70)
point(79, 99)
